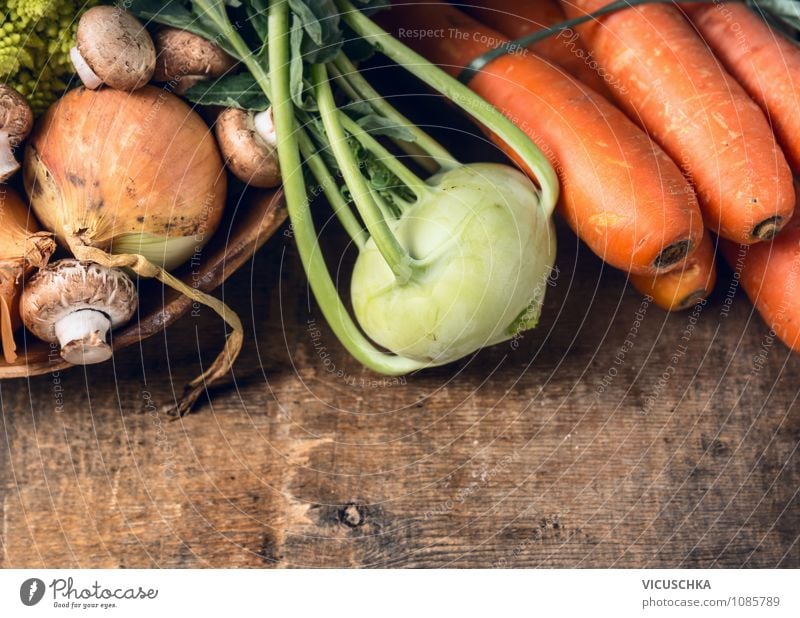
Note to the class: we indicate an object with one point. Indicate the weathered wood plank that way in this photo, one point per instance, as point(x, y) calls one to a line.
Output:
point(571, 451)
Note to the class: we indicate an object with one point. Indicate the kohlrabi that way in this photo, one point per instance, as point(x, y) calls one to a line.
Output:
point(482, 248)
point(446, 265)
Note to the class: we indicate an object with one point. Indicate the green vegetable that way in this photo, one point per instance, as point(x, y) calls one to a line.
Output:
point(35, 39)
point(481, 248)
point(446, 265)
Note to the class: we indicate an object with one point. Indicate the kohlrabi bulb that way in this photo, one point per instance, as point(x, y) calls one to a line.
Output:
point(485, 248)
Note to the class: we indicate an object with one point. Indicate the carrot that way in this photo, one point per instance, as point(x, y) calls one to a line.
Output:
point(685, 286)
point(770, 276)
point(518, 18)
point(622, 195)
point(763, 61)
point(674, 86)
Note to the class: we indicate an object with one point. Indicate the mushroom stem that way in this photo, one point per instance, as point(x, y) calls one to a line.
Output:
point(249, 145)
point(82, 335)
point(265, 127)
point(84, 71)
point(8, 163)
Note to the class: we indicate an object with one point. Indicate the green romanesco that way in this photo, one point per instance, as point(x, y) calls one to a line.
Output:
point(35, 39)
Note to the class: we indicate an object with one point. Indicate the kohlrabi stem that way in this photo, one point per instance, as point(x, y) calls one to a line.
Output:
point(415, 184)
point(217, 12)
point(331, 189)
point(389, 210)
point(461, 95)
point(390, 248)
point(417, 154)
point(294, 188)
point(343, 84)
point(367, 93)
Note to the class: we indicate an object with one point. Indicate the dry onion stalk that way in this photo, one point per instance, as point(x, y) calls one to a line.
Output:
point(132, 180)
point(23, 248)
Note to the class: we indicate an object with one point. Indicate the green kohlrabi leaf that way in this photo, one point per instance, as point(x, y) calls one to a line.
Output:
point(240, 91)
point(378, 125)
point(371, 6)
point(375, 124)
point(356, 48)
point(257, 16)
point(321, 24)
point(380, 177)
point(296, 61)
point(356, 109)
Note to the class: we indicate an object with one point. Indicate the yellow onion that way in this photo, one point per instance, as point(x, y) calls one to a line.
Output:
point(23, 248)
point(127, 173)
point(131, 180)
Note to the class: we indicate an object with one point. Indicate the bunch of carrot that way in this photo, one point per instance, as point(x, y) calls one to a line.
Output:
point(670, 125)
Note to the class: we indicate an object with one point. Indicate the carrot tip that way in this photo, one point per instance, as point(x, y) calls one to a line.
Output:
point(768, 229)
point(672, 254)
point(691, 299)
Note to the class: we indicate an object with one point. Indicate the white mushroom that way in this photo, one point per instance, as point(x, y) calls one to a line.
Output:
point(16, 122)
point(113, 48)
point(249, 146)
point(185, 59)
point(75, 304)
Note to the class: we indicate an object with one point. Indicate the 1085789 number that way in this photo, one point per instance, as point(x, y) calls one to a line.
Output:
point(756, 601)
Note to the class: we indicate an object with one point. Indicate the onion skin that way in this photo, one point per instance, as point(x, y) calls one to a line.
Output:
point(107, 164)
point(23, 248)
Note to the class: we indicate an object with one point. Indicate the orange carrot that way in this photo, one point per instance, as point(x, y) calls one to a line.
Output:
point(770, 275)
point(763, 61)
point(674, 86)
point(621, 193)
point(517, 18)
point(685, 286)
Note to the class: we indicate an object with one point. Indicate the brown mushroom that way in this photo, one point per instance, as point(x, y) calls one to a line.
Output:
point(249, 146)
point(184, 59)
point(113, 48)
point(16, 122)
point(75, 304)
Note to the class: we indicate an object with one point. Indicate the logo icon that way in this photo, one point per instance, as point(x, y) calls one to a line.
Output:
point(31, 591)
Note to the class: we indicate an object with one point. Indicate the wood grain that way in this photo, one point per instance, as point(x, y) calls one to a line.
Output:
point(572, 450)
point(511, 459)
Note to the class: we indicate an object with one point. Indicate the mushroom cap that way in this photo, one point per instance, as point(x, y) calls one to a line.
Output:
point(116, 46)
point(70, 285)
point(247, 155)
point(16, 117)
point(183, 54)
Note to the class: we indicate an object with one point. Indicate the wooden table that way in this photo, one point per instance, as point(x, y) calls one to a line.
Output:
point(613, 436)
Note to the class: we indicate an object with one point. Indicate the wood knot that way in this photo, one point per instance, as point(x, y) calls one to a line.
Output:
point(352, 515)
